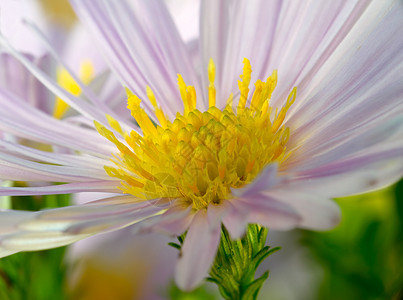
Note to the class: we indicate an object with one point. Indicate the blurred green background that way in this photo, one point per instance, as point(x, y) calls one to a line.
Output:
point(34, 275)
point(363, 257)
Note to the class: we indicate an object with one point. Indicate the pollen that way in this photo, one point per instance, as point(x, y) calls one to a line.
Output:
point(199, 157)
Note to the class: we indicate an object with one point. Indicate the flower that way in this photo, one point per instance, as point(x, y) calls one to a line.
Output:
point(284, 157)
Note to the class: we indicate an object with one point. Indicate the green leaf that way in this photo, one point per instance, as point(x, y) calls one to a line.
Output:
point(237, 261)
point(175, 245)
point(252, 290)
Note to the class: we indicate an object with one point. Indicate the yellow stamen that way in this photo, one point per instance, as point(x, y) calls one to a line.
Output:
point(244, 84)
point(158, 111)
point(199, 157)
point(211, 88)
point(114, 124)
point(133, 103)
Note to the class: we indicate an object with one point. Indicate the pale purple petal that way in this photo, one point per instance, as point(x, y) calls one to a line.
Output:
point(355, 175)
point(268, 212)
point(167, 38)
point(10, 221)
point(15, 78)
point(33, 241)
point(36, 125)
point(264, 181)
point(88, 162)
point(314, 210)
point(81, 106)
point(12, 15)
point(217, 212)
point(105, 31)
point(236, 220)
point(61, 173)
point(333, 150)
point(136, 55)
point(80, 48)
point(248, 30)
point(62, 226)
point(197, 253)
point(307, 33)
point(175, 221)
point(105, 186)
point(86, 92)
point(213, 35)
point(186, 17)
point(360, 84)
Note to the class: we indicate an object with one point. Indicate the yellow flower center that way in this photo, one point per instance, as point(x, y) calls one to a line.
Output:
point(200, 156)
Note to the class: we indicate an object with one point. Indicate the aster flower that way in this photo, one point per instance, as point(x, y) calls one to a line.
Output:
point(207, 148)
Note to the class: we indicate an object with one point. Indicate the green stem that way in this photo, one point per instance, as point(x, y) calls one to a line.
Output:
point(237, 261)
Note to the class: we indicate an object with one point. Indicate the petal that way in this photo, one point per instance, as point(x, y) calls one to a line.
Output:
point(216, 213)
point(245, 25)
point(5, 252)
point(85, 108)
point(186, 17)
point(334, 149)
point(77, 187)
point(14, 76)
point(13, 14)
point(25, 121)
point(175, 221)
point(33, 241)
point(359, 85)
point(62, 226)
point(360, 174)
point(59, 173)
point(236, 220)
point(138, 57)
point(198, 252)
point(264, 181)
point(213, 35)
point(314, 210)
point(269, 212)
point(324, 24)
point(88, 162)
